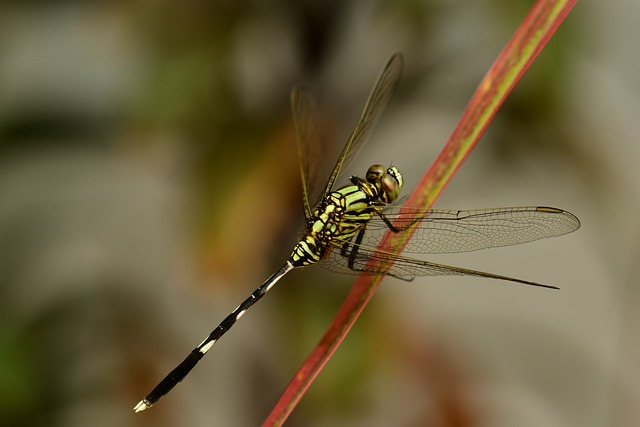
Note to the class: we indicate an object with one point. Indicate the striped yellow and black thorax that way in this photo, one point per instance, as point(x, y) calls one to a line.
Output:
point(342, 213)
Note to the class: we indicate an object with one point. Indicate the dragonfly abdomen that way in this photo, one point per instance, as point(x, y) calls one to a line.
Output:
point(309, 250)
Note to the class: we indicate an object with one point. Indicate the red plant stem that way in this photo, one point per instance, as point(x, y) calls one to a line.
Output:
point(538, 26)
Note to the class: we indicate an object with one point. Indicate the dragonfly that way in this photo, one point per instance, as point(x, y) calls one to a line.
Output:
point(345, 226)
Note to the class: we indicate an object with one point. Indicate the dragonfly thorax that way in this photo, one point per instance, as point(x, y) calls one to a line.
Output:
point(344, 212)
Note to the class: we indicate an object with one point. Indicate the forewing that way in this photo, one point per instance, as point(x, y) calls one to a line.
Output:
point(453, 231)
point(376, 103)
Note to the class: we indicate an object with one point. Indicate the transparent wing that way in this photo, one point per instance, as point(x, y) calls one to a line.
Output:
point(311, 146)
point(367, 260)
point(453, 231)
point(449, 231)
point(378, 99)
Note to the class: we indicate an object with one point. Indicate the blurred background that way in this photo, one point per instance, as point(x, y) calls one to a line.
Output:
point(149, 183)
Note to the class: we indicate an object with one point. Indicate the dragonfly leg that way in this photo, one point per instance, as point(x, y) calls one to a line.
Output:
point(393, 227)
point(350, 251)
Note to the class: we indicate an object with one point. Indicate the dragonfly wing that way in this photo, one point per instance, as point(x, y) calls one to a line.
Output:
point(378, 99)
point(362, 262)
point(310, 142)
point(373, 261)
point(453, 231)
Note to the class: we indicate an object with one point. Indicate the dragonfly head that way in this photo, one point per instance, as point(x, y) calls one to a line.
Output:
point(388, 182)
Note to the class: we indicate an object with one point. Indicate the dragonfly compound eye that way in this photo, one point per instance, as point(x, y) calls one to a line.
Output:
point(390, 188)
point(374, 175)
